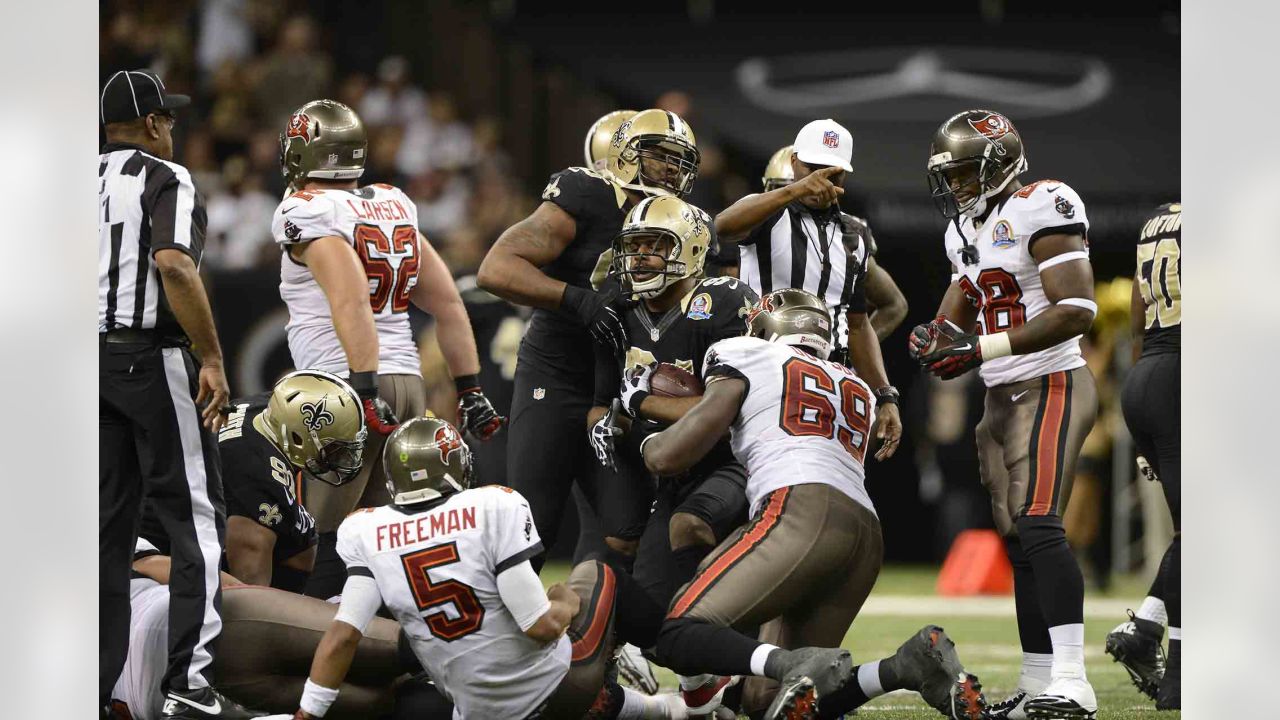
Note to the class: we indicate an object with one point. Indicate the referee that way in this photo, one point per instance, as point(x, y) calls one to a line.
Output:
point(796, 237)
point(151, 307)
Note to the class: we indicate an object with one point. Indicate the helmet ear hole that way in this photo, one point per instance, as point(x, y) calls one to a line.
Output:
point(297, 439)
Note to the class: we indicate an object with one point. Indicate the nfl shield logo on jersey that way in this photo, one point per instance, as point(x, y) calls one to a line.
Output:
point(831, 138)
point(539, 393)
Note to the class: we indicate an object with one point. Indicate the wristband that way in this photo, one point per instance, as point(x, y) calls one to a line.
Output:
point(573, 298)
point(364, 383)
point(316, 699)
point(467, 383)
point(887, 395)
point(1083, 303)
point(994, 346)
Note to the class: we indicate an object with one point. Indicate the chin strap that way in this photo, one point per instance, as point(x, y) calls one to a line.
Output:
point(968, 253)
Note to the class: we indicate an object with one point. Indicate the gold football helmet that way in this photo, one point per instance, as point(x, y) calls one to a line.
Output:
point(324, 139)
point(595, 148)
point(666, 228)
point(654, 152)
point(316, 419)
point(778, 172)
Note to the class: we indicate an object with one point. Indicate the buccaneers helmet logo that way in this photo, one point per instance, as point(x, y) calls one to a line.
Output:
point(992, 127)
point(299, 127)
point(765, 305)
point(315, 416)
point(447, 441)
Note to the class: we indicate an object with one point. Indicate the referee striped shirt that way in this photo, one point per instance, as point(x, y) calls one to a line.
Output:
point(145, 204)
point(822, 251)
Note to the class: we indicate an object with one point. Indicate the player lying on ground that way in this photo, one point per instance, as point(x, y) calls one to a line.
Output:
point(452, 564)
point(805, 563)
point(268, 639)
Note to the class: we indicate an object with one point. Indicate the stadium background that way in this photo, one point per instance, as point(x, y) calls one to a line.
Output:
point(472, 105)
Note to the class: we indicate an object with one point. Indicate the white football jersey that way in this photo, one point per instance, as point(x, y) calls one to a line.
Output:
point(1005, 283)
point(803, 421)
point(437, 572)
point(138, 686)
point(381, 223)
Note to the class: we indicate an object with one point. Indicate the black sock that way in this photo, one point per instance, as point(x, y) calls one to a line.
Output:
point(1059, 582)
point(684, 563)
point(692, 647)
point(637, 618)
point(852, 696)
point(1170, 576)
point(1032, 630)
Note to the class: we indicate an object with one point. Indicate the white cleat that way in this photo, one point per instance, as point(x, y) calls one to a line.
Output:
point(1013, 707)
point(1065, 698)
point(634, 670)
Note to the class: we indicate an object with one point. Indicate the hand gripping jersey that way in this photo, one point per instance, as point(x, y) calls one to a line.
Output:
point(1160, 280)
point(381, 223)
point(259, 482)
point(803, 421)
point(1005, 283)
point(554, 341)
point(437, 571)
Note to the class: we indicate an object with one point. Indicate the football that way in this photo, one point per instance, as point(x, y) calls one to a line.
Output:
point(674, 381)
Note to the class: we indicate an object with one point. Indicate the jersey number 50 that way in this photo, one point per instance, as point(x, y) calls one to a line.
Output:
point(389, 263)
point(432, 596)
point(808, 406)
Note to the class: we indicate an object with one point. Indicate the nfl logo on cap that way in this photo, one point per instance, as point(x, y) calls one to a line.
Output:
point(831, 138)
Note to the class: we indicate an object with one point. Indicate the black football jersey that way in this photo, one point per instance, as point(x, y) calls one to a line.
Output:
point(555, 341)
point(498, 327)
point(260, 483)
point(1159, 279)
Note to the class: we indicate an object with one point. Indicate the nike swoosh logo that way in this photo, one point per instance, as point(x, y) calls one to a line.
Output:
point(1051, 189)
point(214, 709)
point(286, 211)
point(1015, 396)
point(962, 348)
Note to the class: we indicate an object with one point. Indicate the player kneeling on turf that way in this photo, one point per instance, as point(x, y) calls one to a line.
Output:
point(452, 564)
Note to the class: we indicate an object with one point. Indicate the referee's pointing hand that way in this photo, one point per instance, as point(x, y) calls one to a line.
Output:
point(819, 185)
point(213, 395)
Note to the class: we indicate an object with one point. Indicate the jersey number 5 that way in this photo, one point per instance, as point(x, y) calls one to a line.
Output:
point(391, 264)
point(808, 406)
point(432, 596)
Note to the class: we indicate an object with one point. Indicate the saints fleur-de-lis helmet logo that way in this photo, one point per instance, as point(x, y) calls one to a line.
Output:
point(315, 416)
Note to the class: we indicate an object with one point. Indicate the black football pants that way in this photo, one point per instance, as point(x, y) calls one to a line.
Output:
point(151, 442)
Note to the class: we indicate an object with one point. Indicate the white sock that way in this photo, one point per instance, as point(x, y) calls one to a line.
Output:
point(1068, 650)
point(759, 657)
point(1153, 609)
point(638, 706)
point(869, 679)
point(1175, 633)
point(1037, 671)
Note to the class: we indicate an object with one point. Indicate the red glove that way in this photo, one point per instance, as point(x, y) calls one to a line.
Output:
point(377, 413)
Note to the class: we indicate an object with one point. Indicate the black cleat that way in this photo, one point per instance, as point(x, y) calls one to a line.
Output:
point(203, 704)
point(1170, 695)
point(928, 663)
point(1136, 646)
point(811, 673)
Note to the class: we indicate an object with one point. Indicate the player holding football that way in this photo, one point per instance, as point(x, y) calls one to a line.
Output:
point(659, 258)
point(352, 264)
point(801, 424)
point(452, 564)
point(1021, 297)
point(556, 260)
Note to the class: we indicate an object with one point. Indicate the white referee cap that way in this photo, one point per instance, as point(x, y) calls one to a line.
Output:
point(826, 143)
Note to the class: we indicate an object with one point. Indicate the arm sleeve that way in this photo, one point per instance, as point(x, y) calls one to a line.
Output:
point(360, 602)
point(521, 591)
point(349, 548)
point(1054, 208)
point(178, 218)
point(512, 536)
point(726, 359)
point(608, 376)
point(761, 232)
point(304, 216)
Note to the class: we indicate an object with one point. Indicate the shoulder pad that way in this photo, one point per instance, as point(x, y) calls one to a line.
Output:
point(1045, 205)
point(304, 216)
point(577, 188)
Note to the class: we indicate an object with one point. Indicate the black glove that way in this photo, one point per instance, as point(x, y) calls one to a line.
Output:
point(601, 313)
point(603, 433)
point(377, 413)
point(475, 413)
point(921, 336)
point(954, 355)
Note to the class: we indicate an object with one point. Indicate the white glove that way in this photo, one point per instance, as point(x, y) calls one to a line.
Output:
point(635, 387)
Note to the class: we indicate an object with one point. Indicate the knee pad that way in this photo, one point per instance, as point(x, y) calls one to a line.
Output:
point(686, 530)
point(1039, 533)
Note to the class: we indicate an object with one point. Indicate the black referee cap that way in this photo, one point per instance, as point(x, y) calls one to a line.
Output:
point(131, 94)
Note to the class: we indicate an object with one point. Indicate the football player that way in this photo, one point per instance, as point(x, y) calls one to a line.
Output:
point(798, 232)
point(311, 422)
point(887, 305)
point(1152, 404)
point(556, 260)
point(805, 563)
point(595, 149)
point(452, 564)
point(659, 259)
point(1020, 298)
point(352, 264)
point(269, 637)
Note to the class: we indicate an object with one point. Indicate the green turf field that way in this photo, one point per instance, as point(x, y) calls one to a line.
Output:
point(986, 637)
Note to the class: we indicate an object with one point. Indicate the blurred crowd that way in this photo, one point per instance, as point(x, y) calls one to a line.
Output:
point(248, 65)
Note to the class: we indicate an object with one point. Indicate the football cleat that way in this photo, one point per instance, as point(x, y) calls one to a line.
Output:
point(1170, 695)
point(706, 694)
point(1065, 698)
point(928, 663)
point(1136, 646)
point(811, 674)
point(203, 704)
point(797, 699)
point(634, 670)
